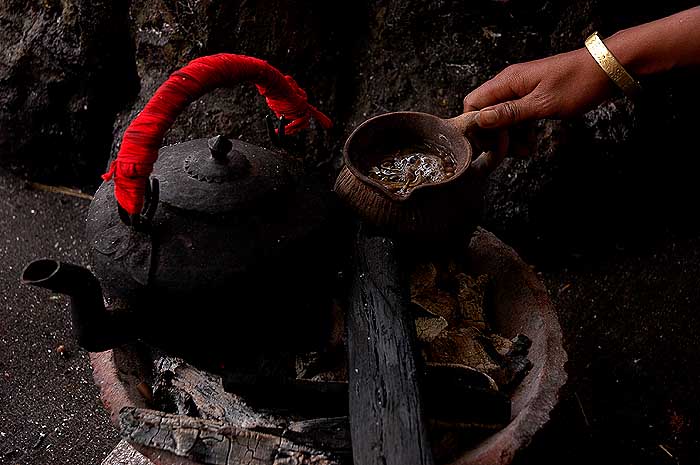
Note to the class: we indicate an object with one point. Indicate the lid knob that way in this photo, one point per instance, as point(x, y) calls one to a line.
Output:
point(221, 163)
point(219, 146)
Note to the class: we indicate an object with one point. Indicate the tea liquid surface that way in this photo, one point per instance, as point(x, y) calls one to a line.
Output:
point(413, 166)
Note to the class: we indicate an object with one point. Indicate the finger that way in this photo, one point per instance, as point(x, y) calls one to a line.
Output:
point(489, 140)
point(507, 113)
point(501, 88)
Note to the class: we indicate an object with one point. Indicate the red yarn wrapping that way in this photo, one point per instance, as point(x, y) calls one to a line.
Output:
point(144, 136)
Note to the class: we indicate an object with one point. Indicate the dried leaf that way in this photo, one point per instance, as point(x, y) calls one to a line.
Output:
point(470, 293)
point(424, 279)
point(428, 328)
point(438, 303)
point(465, 346)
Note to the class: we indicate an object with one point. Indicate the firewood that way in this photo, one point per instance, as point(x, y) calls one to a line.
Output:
point(386, 416)
point(180, 382)
point(214, 442)
point(185, 389)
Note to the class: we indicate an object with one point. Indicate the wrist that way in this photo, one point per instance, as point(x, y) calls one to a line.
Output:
point(631, 52)
point(612, 66)
point(659, 46)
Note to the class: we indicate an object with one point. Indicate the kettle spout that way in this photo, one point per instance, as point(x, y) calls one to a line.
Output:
point(94, 328)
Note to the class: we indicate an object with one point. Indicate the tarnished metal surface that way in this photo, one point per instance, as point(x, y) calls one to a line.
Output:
point(249, 231)
point(192, 179)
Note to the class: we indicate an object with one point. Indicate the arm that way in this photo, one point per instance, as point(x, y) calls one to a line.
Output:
point(571, 83)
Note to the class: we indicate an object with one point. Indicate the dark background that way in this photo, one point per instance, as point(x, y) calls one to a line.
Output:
point(605, 208)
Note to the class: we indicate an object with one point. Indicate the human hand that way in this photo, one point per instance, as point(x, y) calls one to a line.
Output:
point(559, 86)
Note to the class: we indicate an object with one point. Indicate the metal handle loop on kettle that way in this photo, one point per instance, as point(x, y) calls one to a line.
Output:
point(144, 136)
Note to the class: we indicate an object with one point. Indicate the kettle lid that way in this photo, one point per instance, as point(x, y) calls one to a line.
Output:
point(219, 175)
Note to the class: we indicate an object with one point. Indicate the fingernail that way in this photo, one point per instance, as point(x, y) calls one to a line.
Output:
point(488, 117)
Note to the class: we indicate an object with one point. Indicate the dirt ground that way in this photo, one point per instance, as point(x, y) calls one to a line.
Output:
point(630, 325)
point(630, 322)
point(50, 412)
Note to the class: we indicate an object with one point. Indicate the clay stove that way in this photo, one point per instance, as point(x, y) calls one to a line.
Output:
point(520, 305)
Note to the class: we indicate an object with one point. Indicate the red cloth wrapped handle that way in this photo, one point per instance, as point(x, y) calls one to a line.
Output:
point(144, 136)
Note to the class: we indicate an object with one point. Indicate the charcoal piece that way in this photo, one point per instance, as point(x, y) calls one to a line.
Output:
point(501, 344)
point(463, 398)
point(172, 399)
point(514, 357)
point(521, 345)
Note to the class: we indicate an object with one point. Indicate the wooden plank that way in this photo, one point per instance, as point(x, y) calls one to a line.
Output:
point(386, 416)
point(213, 442)
point(124, 454)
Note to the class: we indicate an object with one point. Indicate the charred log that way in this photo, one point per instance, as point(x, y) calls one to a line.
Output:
point(214, 442)
point(386, 414)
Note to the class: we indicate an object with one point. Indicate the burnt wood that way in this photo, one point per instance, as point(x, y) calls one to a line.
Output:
point(214, 442)
point(462, 397)
point(327, 434)
point(452, 394)
point(195, 392)
point(188, 390)
point(301, 396)
point(124, 454)
point(386, 415)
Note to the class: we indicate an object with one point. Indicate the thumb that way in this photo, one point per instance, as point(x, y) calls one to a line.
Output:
point(506, 113)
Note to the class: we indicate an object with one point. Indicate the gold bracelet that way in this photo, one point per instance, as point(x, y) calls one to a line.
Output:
point(612, 67)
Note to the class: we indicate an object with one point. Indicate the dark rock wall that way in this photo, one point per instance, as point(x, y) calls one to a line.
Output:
point(309, 41)
point(74, 73)
point(66, 68)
